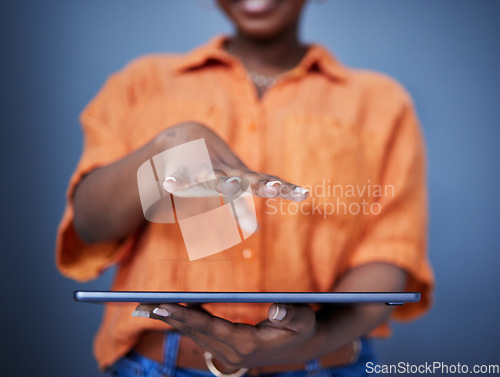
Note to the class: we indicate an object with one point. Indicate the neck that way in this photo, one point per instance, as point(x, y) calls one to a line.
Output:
point(268, 56)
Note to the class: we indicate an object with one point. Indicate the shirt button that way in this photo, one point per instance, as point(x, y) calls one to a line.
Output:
point(247, 253)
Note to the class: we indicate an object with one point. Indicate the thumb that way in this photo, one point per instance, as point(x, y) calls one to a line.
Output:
point(299, 318)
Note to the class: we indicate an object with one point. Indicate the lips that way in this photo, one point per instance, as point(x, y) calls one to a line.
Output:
point(256, 7)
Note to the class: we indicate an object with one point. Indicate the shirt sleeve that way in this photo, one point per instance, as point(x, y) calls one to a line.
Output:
point(398, 233)
point(104, 143)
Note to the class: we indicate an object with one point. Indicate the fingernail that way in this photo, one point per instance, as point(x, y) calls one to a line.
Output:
point(166, 181)
point(233, 179)
point(161, 312)
point(280, 313)
point(300, 190)
point(272, 183)
point(140, 313)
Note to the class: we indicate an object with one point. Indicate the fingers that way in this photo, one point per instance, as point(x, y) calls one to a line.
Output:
point(205, 341)
point(171, 184)
point(228, 185)
point(268, 186)
point(204, 184)
point(298, 318)
point(143, 310)
point(183, 178)
point(234, 343)
point(264, 186)
point(191, 322)
point(175, 181)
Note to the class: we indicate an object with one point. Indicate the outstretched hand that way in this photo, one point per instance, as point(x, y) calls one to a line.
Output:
point(231, 174)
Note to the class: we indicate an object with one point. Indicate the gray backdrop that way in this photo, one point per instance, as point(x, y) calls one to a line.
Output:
point(57, 53)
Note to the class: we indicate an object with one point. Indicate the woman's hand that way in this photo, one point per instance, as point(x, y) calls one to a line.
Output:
point(287, 336)
point(116, 208)
point(292, 333)
point(230, 172)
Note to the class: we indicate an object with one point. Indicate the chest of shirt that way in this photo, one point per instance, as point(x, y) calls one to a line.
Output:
point(305, 131)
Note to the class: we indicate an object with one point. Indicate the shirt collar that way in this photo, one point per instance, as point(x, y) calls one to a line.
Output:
point(213, 51)
point(317, 59)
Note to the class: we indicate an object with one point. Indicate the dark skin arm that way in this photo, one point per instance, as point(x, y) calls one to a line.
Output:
point(107, 204)
point(106, 201)
point(300, 335)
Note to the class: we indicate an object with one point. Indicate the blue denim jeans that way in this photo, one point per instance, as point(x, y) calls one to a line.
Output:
point(135, 365)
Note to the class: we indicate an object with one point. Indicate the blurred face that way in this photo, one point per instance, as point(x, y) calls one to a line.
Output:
point(263, 18)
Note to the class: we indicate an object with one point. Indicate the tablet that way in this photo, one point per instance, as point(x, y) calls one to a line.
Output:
point(389, 298)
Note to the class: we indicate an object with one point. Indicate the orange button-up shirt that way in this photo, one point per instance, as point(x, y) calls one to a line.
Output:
point(350, 136)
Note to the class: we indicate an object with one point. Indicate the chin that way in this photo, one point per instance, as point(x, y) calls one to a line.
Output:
point(262, 18)
point(259, 30)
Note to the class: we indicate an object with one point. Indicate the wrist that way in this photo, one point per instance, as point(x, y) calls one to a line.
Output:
point(176, 135)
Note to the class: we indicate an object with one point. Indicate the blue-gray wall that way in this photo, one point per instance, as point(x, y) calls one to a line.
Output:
point(57, 53)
